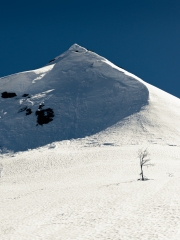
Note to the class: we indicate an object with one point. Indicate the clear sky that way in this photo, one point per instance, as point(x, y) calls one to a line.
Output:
point(141, 36)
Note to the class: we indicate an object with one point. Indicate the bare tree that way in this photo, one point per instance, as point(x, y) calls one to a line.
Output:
point(144, 161)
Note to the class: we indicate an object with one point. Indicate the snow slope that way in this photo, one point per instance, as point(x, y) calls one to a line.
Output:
point(84, 92)
point(87, 188)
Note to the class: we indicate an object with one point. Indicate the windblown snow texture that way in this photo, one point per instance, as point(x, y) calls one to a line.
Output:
point(80, 94)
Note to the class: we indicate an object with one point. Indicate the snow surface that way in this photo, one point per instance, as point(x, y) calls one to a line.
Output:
point(87, 188)
point(85, 92)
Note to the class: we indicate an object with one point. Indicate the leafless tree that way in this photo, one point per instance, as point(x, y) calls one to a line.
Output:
point(144, 161)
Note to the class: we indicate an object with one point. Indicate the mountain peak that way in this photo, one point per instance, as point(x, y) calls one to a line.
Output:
point(77, 94)
point(77, 48)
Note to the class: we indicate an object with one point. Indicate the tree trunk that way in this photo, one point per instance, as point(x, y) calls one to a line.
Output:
point(142, 173)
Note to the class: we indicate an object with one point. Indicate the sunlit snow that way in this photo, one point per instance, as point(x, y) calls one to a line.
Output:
point(86, 188)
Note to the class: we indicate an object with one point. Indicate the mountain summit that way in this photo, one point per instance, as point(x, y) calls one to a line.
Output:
point(77, 94)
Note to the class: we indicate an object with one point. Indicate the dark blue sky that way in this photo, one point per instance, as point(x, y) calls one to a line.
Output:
point(142, 36)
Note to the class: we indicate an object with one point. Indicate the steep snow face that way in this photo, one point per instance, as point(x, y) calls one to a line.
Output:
point(79, 93)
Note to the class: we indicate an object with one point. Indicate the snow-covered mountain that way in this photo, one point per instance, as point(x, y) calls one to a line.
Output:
point(77, 94)
point(85, 187)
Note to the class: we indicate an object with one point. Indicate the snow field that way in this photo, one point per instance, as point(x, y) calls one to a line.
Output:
point(76, 191)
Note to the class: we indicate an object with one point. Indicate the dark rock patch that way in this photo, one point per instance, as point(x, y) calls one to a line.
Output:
point(22, 109)
point(44, 116)
point(8, 95)
point(25, 95)
point(52, 60)
point(108, 144)
point(41, 105)
point(28, 111)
